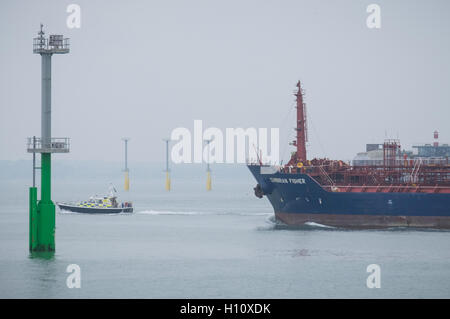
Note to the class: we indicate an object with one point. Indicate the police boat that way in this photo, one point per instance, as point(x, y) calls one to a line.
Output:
point(99, 205)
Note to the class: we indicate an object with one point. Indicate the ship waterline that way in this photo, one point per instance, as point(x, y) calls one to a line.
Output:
point(364, 221)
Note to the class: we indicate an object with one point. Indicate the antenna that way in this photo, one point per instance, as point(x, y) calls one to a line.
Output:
point(257, 155)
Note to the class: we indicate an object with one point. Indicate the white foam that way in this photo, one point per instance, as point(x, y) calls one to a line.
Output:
point(158, 212)
point(65, 211)
point(273, 221)
point(255, 214)
point(318, 225)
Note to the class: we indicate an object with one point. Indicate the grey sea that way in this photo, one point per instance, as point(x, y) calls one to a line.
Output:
point(190, 243)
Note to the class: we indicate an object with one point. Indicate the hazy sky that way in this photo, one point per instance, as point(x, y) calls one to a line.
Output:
point(143, 68)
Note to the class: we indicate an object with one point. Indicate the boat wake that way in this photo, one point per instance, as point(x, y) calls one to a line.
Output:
point(175, 213)
point(193, 213)
point(159, 212)
point(63, 211)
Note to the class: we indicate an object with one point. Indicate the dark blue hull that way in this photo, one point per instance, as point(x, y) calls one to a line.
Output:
point(297, 198)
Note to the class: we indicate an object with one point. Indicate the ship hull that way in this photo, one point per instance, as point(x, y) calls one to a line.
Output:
point(298, 199)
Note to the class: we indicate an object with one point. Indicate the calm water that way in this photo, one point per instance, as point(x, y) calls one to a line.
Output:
point(193, 244)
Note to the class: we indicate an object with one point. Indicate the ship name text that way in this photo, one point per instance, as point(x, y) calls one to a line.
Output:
point(287, 180)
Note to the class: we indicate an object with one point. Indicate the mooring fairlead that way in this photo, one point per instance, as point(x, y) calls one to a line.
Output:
point(42, 213)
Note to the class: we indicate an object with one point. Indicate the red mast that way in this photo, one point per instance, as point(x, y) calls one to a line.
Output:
point(301, 126)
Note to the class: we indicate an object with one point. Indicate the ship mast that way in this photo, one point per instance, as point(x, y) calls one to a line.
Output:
point(301, 128)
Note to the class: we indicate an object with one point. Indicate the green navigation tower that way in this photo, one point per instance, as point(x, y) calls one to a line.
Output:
point(42, 213)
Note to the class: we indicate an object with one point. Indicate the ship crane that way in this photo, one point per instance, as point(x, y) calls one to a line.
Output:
point(301, 130)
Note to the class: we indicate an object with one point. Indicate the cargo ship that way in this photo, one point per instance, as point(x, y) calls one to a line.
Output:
point(398, 189)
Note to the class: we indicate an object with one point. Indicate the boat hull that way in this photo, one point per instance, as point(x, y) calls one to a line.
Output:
point(94, 210)
point(298, 199)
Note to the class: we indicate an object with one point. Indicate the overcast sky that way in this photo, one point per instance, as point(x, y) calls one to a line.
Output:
point(142, 68)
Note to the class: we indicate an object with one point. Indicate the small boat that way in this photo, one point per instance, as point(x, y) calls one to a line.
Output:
point(99, 205)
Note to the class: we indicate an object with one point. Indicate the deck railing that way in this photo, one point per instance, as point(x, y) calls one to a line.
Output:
point(56, 145)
